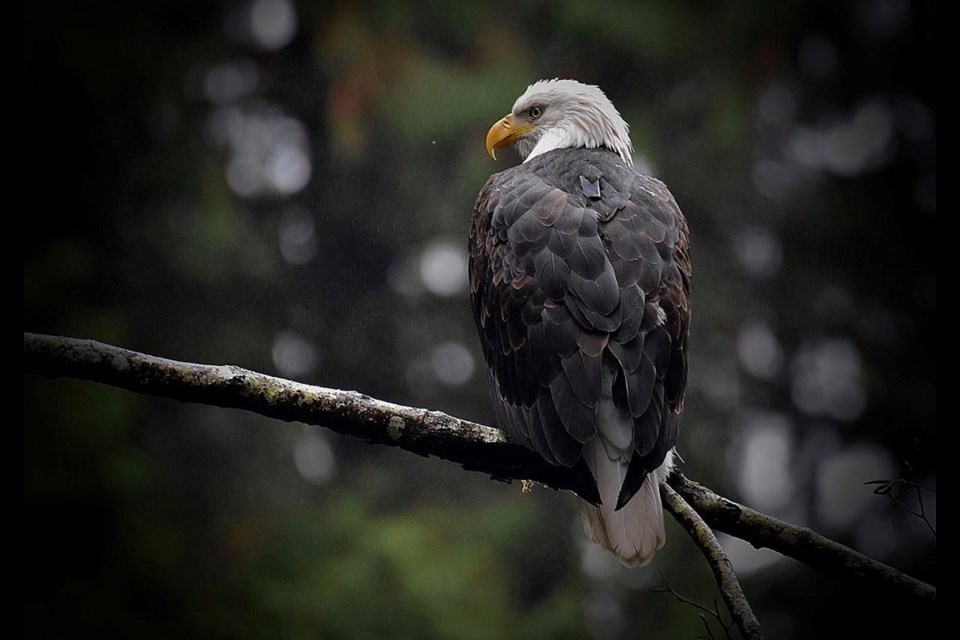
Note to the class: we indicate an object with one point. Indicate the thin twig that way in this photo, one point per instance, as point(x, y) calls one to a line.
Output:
point(703, 537)
point(702, 611)
point(706, 626)
point(892, 489)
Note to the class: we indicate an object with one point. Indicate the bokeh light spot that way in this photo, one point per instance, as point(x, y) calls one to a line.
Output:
point(847, 146)
point(288, 169)
point(452, 363)
point(314, 458)
point(443, 268)
point(745, 557)
point(766, 479)
point(828, 381)
point(294, 356)
point(298, 236)
point(758, 250)
point(759, 350)
point(268, 150)
point(273, 23)
point(227, 82)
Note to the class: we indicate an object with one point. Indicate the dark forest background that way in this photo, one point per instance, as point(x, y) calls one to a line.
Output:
point(288, 186)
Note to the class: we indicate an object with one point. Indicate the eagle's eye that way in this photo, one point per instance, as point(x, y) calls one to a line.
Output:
point(536, 112)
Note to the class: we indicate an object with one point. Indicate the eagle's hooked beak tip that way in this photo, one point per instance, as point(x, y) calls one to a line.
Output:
point(504, 133)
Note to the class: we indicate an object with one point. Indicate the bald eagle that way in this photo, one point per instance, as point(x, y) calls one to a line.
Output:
point(580, 287)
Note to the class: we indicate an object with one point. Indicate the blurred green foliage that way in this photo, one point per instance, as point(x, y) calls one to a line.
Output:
point(148, 129)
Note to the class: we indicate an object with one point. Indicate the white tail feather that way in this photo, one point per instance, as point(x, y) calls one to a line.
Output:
point(635, 532)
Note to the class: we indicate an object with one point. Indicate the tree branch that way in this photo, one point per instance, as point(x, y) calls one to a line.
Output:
point(474, 446)
point(799, 543)
point(719, 563)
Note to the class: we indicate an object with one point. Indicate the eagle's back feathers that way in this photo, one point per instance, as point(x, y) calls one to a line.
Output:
point(582, 304)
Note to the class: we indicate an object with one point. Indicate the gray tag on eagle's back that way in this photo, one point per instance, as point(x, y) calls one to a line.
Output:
point(591, 189)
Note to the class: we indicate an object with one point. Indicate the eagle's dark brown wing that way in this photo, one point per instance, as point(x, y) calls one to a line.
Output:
point(575, 292)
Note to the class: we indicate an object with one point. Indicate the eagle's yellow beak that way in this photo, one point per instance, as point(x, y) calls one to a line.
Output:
point(505, 132)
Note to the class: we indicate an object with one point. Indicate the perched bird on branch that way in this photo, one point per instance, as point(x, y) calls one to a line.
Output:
point(580, 286)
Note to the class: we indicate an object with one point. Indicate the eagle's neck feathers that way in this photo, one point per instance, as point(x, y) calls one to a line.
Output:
point(575, 116)
point(576, 138)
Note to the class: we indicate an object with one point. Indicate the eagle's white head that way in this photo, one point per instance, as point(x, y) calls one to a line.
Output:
point(561, 114)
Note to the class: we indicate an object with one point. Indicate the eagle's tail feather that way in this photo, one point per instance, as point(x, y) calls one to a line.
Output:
point(635, 532)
